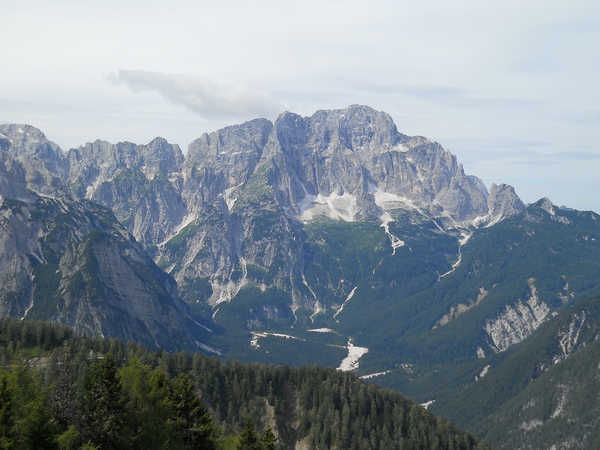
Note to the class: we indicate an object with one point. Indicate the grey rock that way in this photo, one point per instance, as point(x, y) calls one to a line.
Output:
point(231, 213)
point(44, 163)
point(73, 263)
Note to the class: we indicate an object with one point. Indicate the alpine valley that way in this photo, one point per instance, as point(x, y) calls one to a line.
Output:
point(332, 240)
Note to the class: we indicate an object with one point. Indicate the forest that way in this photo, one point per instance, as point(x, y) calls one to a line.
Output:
point(60, 391)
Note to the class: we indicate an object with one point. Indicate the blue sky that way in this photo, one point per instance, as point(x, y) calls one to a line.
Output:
point(511, 89)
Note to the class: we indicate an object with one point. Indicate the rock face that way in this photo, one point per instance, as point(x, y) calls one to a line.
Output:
point(518, 321)
point(503, 202)
point(140, 183)
point(241, 195)
point(72, 262)
point(351, 158)
point(231, 213)
point(43, 161)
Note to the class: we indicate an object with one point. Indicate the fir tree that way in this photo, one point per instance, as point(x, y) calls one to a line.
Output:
point(103, 415)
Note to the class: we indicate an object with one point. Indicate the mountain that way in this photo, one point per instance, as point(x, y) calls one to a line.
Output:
point(335, 221)
point(72, 262)
point(542, 392)
point(334, 240)
point(210, 215)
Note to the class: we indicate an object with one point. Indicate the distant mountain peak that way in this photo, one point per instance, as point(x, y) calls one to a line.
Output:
point(546, 204)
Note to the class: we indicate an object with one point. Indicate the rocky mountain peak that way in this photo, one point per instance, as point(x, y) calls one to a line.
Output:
point(544, 210)
point(356, 128)
point(43, 161)
point(26, 140)
point(247, 137)
point(504, 201)
point(546, 204)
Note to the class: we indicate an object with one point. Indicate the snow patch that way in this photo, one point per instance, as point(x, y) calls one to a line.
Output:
point(348, 298)
point(426, 405)
point(395, 240)
point(483, 372)
point(200, 325)
point(258, 335)
point(28, 309)
point(209, 349)
point(461, 242)
point(335, 206)
point(373, 375)
point(350, 362)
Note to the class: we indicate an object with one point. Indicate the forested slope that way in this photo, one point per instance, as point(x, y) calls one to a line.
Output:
point(61, 391)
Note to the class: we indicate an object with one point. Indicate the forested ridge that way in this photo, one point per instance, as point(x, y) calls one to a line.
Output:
point(67, 392)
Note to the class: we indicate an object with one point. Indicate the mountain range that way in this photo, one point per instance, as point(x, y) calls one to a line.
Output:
point(332, 239)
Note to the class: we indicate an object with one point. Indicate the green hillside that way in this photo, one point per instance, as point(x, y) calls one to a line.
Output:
point(60, 391)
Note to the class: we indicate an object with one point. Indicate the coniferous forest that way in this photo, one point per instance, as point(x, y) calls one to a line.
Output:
point(58, 391)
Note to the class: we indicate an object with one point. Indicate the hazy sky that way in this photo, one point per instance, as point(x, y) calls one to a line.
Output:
point(511, 89)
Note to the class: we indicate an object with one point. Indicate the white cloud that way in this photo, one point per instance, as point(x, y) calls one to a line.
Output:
point(209, 99)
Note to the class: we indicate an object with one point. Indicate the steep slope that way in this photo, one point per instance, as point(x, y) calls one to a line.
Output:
point(231, 213)
point(72, 262)
point(541, 393)
point(512, 278)
point(336, 221)
point(140, 183)
point(42, 160)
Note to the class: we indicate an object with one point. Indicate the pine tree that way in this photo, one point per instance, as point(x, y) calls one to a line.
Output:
point(103, 415)
point(62, 397)
point(6, 414)
point(35, 429)
point(268, 439)
point(148, 408)
point(193, 423)
point(248, 439)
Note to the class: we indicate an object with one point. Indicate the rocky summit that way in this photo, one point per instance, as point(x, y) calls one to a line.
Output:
point(350, 165)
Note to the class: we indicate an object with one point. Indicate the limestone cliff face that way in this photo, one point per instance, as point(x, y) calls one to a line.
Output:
point(140, 183)
point(43, 161)
point(359, 154)
point(73, 263)
point(517, 321)
point(241, 195)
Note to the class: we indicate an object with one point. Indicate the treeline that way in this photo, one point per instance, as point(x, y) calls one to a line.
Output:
point(61, 391)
